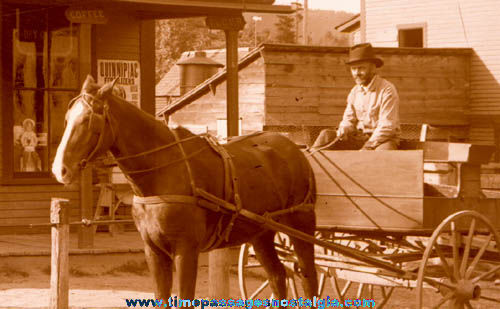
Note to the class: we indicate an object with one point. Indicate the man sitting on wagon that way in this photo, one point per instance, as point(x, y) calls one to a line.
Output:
point(371, 118)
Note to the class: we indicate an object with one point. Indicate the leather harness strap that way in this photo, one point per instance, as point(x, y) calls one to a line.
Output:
point(199, 197)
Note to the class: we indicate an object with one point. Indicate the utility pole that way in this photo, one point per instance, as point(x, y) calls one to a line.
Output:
point(304, 23)
point(255, 20)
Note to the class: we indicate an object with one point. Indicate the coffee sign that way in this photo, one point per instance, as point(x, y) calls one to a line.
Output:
point(86, 15)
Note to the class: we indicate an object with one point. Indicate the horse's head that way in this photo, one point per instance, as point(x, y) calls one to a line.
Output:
point(87, 132)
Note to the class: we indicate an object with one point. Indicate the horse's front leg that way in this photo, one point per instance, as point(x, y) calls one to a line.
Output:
point(186, 265)
point(161, 267)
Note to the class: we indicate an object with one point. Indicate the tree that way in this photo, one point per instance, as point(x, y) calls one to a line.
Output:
point(334, 39)
point(175, 36)
point(286, 29)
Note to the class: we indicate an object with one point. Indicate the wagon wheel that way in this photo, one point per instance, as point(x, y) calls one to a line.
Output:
point(461, 261)
point(344, 288)
point(249, 269)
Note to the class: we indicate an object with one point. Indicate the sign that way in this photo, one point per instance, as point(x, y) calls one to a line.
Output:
point(128, 73)
point(86, 15)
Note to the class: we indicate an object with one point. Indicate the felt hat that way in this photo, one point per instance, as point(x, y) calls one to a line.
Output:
point(363, 52)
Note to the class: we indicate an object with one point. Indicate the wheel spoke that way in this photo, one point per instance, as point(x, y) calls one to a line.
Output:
point(383, 292)
point(360, 290)
point(346, 287)
point(321, 285)
point(336, 288)
point(256, 265)
point(454, 240)
point(444, 263)
point(259, 289)
point(486, 274)
point(386, 297)
point(468, 243)
point(496, 300)
point(436, 283)
point(293, 287)
point(477, 258)
point(444, 300)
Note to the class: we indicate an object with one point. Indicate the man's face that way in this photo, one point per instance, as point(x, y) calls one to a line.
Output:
point(363, 72)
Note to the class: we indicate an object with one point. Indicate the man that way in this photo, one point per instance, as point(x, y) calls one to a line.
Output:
point(371, 118)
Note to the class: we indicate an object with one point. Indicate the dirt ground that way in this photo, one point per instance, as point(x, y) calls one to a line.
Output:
point(106, 286)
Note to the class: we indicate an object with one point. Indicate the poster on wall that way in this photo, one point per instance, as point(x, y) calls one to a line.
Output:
point(129, 77)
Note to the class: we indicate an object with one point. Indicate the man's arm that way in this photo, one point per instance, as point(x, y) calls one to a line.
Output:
point(388, 122)
point(349, 120)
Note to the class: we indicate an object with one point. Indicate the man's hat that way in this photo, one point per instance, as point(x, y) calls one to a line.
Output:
point(363, 52)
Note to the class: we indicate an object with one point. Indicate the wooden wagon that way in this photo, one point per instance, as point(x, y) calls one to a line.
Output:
point(414, 218)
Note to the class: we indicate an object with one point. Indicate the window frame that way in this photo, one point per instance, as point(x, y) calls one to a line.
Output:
point(9, 175)
point(411, 26)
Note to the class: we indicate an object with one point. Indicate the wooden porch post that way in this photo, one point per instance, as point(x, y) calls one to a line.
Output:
point(220, 259)
point(85, 234)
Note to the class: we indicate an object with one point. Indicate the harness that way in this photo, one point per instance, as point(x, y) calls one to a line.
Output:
point(199, 196)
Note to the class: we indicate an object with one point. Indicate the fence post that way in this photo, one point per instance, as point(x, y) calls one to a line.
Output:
point(59, 266)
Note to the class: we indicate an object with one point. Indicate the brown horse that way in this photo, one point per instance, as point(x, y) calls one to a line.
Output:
point(171, 169)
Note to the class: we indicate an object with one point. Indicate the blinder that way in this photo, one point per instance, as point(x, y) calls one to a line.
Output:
point(96, 123)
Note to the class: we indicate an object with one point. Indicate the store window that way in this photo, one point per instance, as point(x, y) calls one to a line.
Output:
point(41, 54)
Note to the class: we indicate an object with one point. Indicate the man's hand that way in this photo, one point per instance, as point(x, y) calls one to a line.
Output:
point(369, 145)
point(343, 132)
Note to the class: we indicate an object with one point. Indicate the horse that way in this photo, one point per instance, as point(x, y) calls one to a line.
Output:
point(171, 170)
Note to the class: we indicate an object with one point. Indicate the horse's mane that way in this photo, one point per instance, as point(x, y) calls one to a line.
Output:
point(182, 131)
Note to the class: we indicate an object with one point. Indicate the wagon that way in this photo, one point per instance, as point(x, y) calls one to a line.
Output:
point(411, 218)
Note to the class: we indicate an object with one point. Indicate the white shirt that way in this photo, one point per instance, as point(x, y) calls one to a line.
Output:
point(374, 109)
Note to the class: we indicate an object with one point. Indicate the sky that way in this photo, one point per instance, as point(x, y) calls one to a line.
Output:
point(335, 5)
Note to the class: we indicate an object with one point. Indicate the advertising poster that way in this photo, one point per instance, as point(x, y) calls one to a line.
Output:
point(128, 73)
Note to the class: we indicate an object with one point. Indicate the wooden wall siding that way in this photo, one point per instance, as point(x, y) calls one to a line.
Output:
point(207, 109)
point(119, 39)
point(31, 204)
point(308, 88)
point(482, 135)
point(450, 23)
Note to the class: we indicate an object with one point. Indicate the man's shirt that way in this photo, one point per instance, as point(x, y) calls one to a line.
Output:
point(374, 109)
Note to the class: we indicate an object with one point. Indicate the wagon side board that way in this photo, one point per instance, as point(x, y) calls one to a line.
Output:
point(369, 189)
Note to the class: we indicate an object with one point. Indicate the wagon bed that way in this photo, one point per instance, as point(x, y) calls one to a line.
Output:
point(386, 191)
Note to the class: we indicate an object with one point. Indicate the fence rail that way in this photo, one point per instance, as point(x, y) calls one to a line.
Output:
point(84, 222)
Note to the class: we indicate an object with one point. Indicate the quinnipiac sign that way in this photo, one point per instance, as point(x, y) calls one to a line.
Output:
point(128, 72)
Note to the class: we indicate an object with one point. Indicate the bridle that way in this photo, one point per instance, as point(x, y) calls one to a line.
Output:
point(97, 123)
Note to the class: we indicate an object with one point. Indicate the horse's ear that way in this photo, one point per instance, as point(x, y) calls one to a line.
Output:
point(87, 84)
point(107, 88)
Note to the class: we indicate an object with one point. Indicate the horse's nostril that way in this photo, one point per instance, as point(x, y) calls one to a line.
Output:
point(64, 171)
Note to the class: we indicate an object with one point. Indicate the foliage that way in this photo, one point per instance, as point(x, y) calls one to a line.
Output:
point(175, 36)
point(286, 29)
point(339, 39)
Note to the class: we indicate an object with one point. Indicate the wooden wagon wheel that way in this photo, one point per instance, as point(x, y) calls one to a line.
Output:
point(460, 261)
point(249, 269)
point(347, 286)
